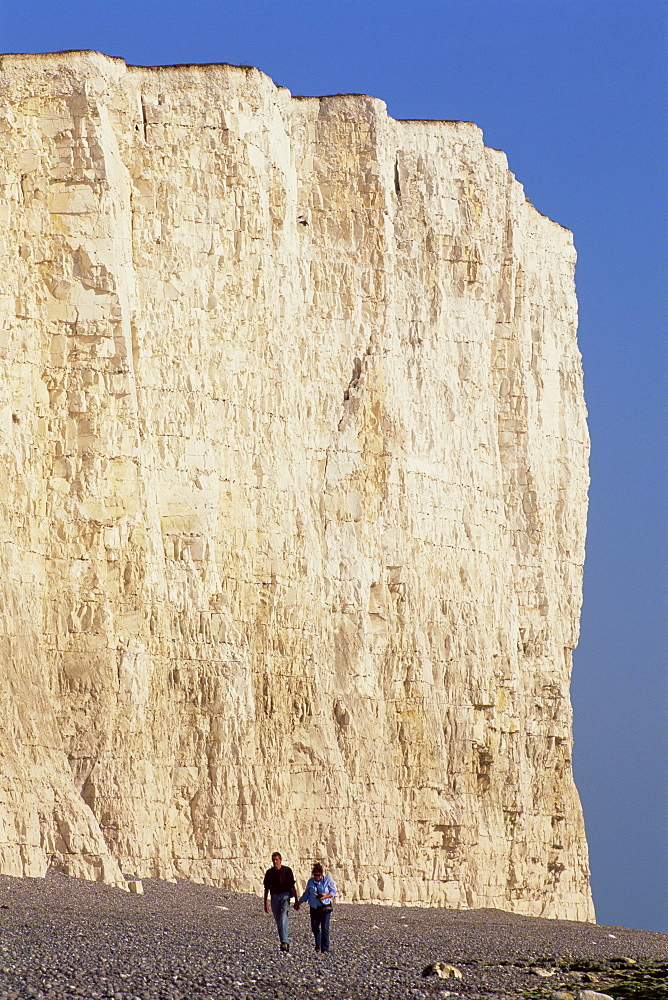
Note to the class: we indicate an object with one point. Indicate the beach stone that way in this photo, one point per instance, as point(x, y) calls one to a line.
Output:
point(443, 970)
point(590, 977)
point(295, 470)
point(592, 995)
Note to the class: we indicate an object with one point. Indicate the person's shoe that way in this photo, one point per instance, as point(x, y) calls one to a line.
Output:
point(285, 947)
point(317, 949)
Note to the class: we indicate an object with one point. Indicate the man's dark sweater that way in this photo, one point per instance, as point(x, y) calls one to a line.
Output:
point(280, 880)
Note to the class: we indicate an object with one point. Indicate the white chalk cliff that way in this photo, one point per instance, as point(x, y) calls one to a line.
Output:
point(293, 493)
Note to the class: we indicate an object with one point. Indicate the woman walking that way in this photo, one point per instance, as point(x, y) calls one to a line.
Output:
point(319, 894)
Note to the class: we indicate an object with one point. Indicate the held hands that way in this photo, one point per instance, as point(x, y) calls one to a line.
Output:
point(296, 904)
point(266, 906)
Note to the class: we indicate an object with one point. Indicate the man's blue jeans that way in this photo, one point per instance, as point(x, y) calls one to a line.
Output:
point(280, 907)
point(320, 927)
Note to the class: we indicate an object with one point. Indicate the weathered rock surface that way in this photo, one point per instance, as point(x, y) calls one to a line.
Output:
point(293, 497)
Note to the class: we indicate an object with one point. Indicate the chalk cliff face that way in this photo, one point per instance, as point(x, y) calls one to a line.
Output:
point(293, 494)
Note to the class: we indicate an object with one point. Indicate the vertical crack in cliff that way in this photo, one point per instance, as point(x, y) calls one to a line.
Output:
point(354, 381)
point(353, 391)
point(143, 117)
point(397, 182)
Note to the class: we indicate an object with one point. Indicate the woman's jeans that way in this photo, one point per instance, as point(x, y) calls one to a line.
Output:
point(280, 907)
point(320, 927)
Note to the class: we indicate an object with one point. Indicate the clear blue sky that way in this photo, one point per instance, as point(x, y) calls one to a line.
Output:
point(575, 93)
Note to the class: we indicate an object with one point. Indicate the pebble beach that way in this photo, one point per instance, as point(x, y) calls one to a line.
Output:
point(66, 938)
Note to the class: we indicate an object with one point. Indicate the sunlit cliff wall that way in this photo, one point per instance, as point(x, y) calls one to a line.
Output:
point(292, 496)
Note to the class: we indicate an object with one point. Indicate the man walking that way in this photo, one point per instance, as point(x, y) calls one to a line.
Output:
point(279, 882)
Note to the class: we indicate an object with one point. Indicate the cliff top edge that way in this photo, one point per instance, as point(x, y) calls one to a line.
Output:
point(28, 56)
